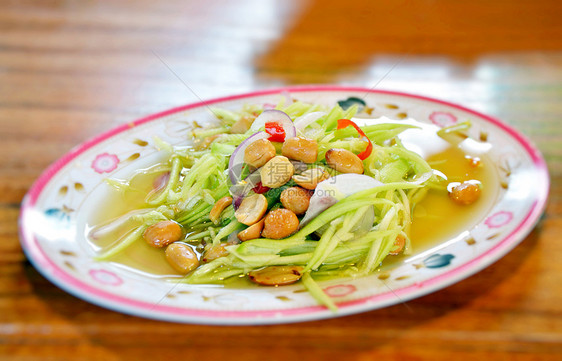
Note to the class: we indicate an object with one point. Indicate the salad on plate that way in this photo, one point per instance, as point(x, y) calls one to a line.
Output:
point(277, 194)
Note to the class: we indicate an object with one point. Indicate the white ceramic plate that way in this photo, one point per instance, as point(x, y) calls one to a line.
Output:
point(57, 208)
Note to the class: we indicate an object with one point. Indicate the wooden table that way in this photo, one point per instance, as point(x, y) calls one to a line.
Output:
point(72, 69)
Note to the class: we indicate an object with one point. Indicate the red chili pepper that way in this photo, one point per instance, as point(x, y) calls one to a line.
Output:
point(276, 132)
point(260, 189)
point(344, 123)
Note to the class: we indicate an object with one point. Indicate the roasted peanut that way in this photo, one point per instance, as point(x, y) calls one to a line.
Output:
point(242, 125)
point(251, 209)
point(399, 244)
point(465, 193)
point(311, 177)
point(296, 199)
point(276, 172)
point(181, 257)
point(259, 152)
point(218, 208)
point(276, 275)
point(344, 161)
point(251, 232)
point(162, 233)
point(211, 252)
point(280, 223)
point(299, 148)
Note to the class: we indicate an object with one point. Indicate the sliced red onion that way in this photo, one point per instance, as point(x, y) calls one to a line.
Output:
point(288, 100)
point(332, 190)
point(113, 225)
point(236, 202)
point(241, 190)
point(274, 115)
point(236, 162)
point(160, 182)
point(307, 119)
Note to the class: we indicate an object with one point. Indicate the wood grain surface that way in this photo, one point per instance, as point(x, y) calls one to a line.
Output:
point(72, 69)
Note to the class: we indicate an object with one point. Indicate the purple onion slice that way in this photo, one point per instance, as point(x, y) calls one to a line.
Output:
point(274, 115)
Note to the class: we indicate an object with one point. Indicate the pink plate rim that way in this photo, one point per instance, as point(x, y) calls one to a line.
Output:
point(123, 304)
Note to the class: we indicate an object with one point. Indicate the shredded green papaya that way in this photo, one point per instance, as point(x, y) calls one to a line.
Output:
point(349, 238)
